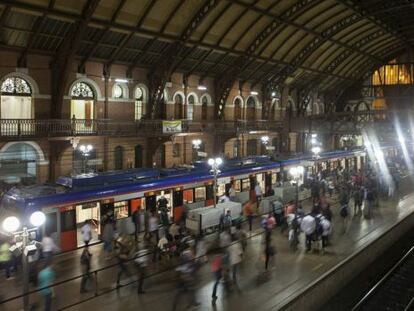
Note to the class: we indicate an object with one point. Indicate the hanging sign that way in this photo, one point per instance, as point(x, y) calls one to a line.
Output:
point(202, 154)
point(171, 126)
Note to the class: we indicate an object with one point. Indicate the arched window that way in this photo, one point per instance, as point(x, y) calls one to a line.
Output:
point(237, 109)
point(82, 90)
point(18, 163)
point(139, 103)
point(16, 99)
point(82, 105)
point(204, 105)
point(15, 86)
point(251, 108)
point(190, 107)
point(178, 106)
point(119, 157)
point(118, 91)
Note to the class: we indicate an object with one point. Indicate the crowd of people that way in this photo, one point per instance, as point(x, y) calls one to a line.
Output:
point(157, 239)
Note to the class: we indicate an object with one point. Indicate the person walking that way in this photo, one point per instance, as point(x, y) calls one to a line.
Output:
point(248, 211)
point(85, 261)
point(122, 255)
point(46, 277)
point(86, 232)
point(327, 229)
point(357, 195)
point(108, 238)
point(217, 270)
point(259, 193)
point(48, 247)
point(141, 261)
point(136, 220)
point(235, 257)
point(153, 228)
point(308, 226)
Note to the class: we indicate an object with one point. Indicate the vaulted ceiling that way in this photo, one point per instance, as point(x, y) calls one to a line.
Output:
point(323, 43)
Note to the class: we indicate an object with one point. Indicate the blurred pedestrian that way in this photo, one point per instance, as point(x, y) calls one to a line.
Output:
point(85, 261)
point(46, 277)
point(136, 220)
point(86, 232)
point(235, 258)
point(141, 261)
point(153, 227)
point(248, 211)
point(48, 247)
point(122, 255)
point(187, 277)
point(108, 238)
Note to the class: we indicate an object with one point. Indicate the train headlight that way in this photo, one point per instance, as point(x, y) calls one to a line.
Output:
point(37, 219)
point(11, 224)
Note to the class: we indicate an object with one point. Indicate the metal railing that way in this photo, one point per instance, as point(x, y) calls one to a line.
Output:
point(101, 127)
point(383, 280)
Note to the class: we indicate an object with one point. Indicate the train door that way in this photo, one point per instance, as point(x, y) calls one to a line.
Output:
point(151, 203)
point(188, 196)
point(177, 200)
point(260, 180)
point(268, 182)
point(68, 232)
point(168, 195)
point(89, 211)
point(52, 224)
point(209, 195)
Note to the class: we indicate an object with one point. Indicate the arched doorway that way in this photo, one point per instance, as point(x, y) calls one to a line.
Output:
point(119, 158)
point(16, 103)
point(178, 106)
point(138, 156)
point(18, 163)
point(251, 108)
point(190, 107)
point(82, 105)
point(237, 109)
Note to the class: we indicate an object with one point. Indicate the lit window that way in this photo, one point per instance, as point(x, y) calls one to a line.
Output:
point(117, 91)
point(15, 86)
point(200, 194)
point(139, 103)
point(121, 209)
point(82, 90)
point(176, 150)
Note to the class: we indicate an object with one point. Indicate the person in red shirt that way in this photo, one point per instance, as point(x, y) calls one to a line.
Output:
point(248, 211)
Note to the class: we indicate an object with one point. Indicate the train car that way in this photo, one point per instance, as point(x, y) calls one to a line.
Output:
point(72, 200)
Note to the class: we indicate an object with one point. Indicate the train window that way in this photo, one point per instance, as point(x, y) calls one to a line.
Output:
point(221, 189)
point(121, 209)
point(68, 220)
point(274, 178)
point(200, 194)
point(237, 185)
point(51, 223)
point(188, 196)
point(246, 184)
point(137, 204)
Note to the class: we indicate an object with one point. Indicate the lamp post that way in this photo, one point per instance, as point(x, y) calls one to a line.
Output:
point(215, 163)
point(11, 224)
point(265, 142)
point(196, 146)
point(296, 172)
point(85, 150)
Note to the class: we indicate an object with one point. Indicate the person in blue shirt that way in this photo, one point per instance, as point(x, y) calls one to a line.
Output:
point(45, 279)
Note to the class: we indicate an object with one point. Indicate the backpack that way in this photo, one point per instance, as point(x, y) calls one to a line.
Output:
point(344, 211)
point(319, 227)
point(295, 223)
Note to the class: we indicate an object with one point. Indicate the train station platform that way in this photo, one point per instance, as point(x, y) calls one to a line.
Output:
point(292, 286)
